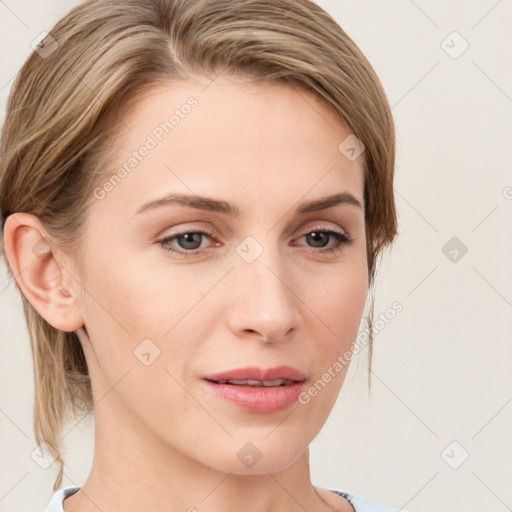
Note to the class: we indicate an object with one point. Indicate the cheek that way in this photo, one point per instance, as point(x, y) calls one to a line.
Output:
point(141, 336)
point(352, 294)
point(340, 308)
point(134, 298)
point(131, 310)
point(339, 301)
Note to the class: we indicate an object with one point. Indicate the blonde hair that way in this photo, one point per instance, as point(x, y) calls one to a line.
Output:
point(63, 107)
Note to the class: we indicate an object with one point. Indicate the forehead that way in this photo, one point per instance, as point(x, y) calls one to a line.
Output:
point(251, 141)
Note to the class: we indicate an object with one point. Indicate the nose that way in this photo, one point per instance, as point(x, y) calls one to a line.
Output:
point(261, 303)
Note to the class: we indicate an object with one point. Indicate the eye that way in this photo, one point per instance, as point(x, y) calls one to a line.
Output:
point(320, 239)
point(189, 241)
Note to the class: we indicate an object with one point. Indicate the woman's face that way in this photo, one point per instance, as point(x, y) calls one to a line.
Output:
point(268, 285)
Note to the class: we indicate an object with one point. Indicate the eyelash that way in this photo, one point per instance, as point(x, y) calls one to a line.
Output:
point(341, 239)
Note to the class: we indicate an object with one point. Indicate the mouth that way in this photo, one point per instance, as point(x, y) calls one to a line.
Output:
point(257, 390)
point(256, 383)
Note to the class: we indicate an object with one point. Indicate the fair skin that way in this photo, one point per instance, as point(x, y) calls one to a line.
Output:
point(163, 441)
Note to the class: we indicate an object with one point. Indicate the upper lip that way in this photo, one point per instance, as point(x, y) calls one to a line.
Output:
point(261, 374)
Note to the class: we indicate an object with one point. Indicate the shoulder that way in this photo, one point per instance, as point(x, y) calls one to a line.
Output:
point(361, 504)
point(58, 497)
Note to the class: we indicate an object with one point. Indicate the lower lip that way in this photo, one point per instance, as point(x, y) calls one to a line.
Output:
point(259, 399)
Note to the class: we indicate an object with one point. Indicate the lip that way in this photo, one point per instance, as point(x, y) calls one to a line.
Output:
point(256, 373)
point(258, 399)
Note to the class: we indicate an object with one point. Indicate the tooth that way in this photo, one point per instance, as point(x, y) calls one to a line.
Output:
point(251, 382)
point(277, 382)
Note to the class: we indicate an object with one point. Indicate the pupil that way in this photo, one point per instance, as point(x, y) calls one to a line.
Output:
point(318, 236)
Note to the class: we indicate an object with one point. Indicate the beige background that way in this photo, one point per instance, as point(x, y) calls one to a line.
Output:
point(442, 366)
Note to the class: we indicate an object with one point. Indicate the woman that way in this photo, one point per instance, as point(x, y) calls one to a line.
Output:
point(194, 196)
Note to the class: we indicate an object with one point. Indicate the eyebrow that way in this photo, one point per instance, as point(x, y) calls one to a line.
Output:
point(221, 206)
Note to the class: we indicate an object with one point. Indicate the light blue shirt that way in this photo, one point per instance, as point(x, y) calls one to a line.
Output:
point(359, 503)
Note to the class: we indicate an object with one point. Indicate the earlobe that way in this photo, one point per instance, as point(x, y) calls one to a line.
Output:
point(38, 273)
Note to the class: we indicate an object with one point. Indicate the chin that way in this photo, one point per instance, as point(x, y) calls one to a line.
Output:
point(257, 454)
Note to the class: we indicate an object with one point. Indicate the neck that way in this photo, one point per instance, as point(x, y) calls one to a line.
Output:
point(134, 469)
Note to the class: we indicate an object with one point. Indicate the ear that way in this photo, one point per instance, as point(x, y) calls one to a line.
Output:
point(43, 281)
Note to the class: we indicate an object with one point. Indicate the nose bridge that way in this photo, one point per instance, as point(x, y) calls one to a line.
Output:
point(263, 300)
